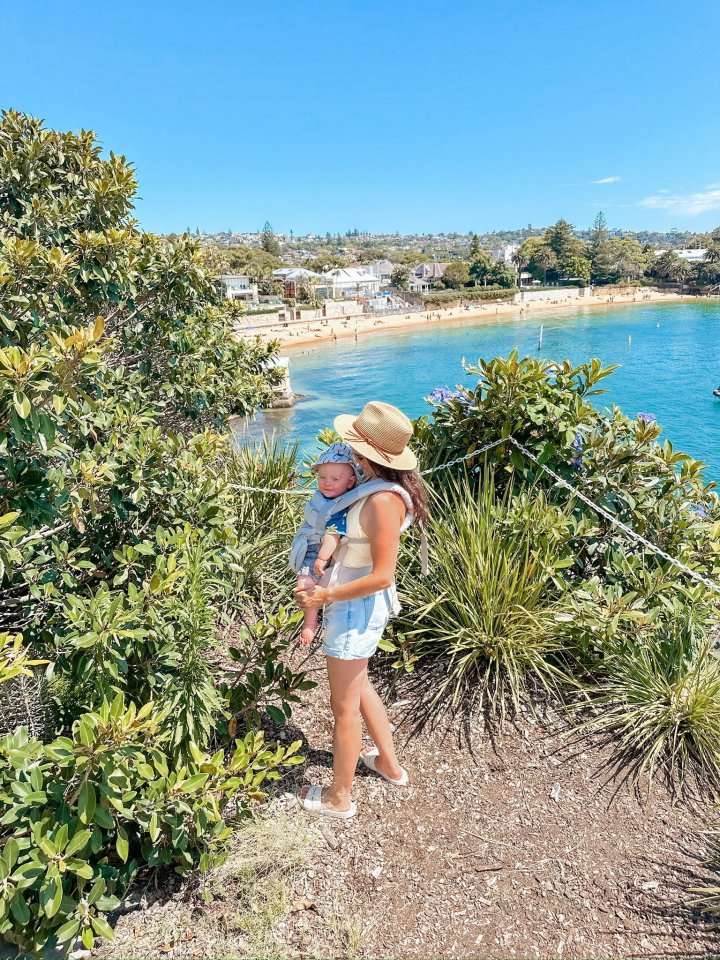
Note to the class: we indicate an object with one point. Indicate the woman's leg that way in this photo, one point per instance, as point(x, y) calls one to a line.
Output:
point(376, 720)
point(347, 680)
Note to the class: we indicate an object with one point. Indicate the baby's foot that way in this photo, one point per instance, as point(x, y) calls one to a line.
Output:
point(307, 635)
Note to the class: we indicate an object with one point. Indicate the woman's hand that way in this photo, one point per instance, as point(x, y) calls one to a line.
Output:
point(312, 597)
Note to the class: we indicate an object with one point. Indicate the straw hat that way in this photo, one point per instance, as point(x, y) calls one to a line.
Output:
point(380, 433)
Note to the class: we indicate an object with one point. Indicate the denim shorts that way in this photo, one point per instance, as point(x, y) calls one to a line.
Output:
point(353, 628)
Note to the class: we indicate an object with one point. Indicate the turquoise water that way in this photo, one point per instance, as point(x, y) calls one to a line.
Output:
point(669, 356)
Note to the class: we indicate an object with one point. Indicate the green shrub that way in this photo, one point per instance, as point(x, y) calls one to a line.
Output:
point(267, 520)
point(491, 611)
point(468, 295)
point(84, 813)
point(122, 552)
point(618, 461)
point(259, 681)
point(707, 896)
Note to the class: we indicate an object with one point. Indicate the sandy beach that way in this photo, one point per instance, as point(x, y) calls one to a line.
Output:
point(302, 333)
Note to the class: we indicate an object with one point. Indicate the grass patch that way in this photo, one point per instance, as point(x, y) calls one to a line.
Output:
point(253, 889)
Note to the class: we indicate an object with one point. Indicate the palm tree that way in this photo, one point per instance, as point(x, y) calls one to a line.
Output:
point(520, 260)
point(545, 260)
point(680, 271)
point(673, 267)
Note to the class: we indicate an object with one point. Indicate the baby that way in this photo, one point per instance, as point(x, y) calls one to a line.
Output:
point(337, 473)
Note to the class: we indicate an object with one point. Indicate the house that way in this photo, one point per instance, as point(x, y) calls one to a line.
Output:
point(422, 277)
point(238, 287)
point(383, 270)
point(300, 282)
point(352, 282)
point(505, 253)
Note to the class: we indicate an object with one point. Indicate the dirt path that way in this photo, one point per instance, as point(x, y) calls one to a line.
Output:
point(515, 850)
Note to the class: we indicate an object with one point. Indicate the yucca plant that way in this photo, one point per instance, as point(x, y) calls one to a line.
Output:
point(658, 703)
point(491, 610)
point(707, 896)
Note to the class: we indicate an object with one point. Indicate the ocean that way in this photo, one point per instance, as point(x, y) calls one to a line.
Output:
point(669, 356)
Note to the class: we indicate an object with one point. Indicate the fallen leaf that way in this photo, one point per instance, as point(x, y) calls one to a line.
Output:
point(301, 904)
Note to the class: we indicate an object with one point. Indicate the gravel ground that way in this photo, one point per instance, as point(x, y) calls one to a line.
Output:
point(507, 846)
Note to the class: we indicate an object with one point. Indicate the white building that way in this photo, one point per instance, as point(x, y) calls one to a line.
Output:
point(505, 253)
point(238, 287)
point(352, 282)
point(692, 255)
point(299, 281)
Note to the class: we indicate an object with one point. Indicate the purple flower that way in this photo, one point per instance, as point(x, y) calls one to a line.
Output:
point(441, 395)
point(700, 510)
point(647, 417)
point(577, 447)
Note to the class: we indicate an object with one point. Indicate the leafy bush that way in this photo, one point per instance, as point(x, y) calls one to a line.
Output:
point(491, 612)
point(258, 681)
point(618, 461)
point(267, 521)
point(85, 812)
point(122, 553)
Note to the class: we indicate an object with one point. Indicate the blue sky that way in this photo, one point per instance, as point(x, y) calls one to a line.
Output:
point(409, 116)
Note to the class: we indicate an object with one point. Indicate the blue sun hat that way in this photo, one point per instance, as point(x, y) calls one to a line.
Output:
point(338, 453)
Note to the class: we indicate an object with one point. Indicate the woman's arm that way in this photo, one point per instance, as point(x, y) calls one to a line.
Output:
point(382, 516)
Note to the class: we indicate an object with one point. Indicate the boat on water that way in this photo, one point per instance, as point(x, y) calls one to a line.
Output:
point(716, 392)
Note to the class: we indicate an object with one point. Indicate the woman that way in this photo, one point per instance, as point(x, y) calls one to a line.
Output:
point(360, 598)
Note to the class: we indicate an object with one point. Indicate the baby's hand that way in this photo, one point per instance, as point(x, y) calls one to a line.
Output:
point(319, 567)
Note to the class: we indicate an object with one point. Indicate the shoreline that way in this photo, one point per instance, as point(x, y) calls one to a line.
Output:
point(320, 332)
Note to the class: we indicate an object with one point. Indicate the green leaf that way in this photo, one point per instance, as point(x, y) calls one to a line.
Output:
point(103, 818)
point(275, 713)
point(195, 782)
point(80, 867)
point(387, 645)
point(19, 909)
point(78, 842)
point(87, 802)
point(54, 897)
point(21, 404)
point(68, 930)
point(11, 852)
point(102, 928)
point(88, 938)
point(122, 844)
point(153, 828)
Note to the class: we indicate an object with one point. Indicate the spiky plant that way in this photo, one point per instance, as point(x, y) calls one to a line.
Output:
point(707, 896)
point(489, 612)
point(658, 703)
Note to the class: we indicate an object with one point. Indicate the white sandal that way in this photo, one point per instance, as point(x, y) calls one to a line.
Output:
point(369, 759)
point(312, 801)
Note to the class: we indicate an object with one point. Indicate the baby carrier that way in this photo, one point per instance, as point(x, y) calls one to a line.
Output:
point(319, 513)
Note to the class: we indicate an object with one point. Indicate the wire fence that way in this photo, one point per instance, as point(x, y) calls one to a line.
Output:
point(560, 481)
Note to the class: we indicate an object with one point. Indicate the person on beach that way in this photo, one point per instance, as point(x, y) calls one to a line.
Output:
point(337, 473)
point(359, 599)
